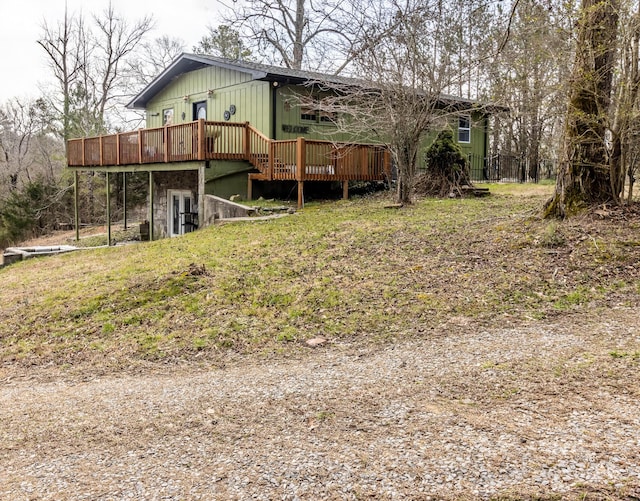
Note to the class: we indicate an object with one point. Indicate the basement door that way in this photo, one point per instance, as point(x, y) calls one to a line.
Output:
point(181, 217)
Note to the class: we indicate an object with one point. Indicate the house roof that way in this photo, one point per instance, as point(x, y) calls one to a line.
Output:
point(186, 63)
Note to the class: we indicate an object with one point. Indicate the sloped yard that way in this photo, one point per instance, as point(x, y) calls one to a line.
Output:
point(472, 351)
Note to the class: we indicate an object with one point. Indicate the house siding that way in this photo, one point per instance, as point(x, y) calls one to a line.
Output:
point(476, 147)
point(256, 101)
point(227, 178)
point(250, 98)
point(290, 125)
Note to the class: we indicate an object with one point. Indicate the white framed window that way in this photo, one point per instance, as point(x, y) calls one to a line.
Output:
point(464, 129)
point(167, 116)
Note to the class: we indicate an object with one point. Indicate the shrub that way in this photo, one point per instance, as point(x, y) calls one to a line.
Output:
point(447, 168)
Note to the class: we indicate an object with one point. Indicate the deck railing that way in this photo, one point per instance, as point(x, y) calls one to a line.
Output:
point(299, 159)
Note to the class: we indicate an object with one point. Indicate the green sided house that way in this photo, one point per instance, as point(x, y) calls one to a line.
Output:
point(221, 127)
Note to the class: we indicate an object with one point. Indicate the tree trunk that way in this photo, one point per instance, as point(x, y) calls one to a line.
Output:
point(405, 157)
point(584, 176)
point(298, 43)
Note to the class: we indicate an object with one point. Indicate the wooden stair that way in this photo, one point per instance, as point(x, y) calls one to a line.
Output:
point(259, 176)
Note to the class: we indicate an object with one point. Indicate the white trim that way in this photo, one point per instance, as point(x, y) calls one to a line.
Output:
point(464, 130)
point(182, 196)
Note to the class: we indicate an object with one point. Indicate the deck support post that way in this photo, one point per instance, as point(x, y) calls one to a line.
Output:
point(76, 199)
point(201, 193)
point(301, 157)
point(108, 210)
point(250, 189)
point(345, 190)
point(124, 198)
point(300, 194)
point(151, 206)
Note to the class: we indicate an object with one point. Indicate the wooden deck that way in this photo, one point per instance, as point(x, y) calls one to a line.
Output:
point(296, 160)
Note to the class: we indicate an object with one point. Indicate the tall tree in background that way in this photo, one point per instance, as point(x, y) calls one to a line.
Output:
point(404, 67)
point(223, 41)
point(529, 76)
point(302, 34)
point(585, 176)
point(27, 150)
point(87, 62)
point(89, 65)
point(32, 190)
point(625, 148)
point(63, 44)
point(474, 42)
point(152, 58)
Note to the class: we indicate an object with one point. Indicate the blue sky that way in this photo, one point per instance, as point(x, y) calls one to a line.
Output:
point(24, 61)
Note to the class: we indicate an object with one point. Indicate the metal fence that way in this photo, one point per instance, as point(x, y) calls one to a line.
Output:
point(510, 169)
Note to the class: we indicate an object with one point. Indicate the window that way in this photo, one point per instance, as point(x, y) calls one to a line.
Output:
point(312, 111)
point(167, 116)
point(308, 113)
point(464, 129)
point(327, 116)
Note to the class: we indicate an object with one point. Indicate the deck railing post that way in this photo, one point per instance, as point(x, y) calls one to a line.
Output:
point(83, 153)
point(271, 158)
point(118, 149)
point(246, 142)
point(387, 164)
point(201, 139)
point(101, 150)
point(139, 146)
point(301, 157)
point(165, 143)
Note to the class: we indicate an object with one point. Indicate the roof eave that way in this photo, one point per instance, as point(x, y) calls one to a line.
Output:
point(184, 63)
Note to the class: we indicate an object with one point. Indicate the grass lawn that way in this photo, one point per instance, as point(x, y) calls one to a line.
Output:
point(349, 270)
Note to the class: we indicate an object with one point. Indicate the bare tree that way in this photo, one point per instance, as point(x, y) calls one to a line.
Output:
point(530, 77)
point(63, 44)
point(87, 62)
point(585, 176)
point(626, 122)
point(27, 150)
point(302, 34)
point(155, 56)
point(115, 40)
point(405, 67)
point(152, 58)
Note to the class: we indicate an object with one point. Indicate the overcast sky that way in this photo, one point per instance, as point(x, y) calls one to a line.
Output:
point(23, 63)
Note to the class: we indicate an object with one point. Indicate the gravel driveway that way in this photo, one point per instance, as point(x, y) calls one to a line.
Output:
point(464, 413)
